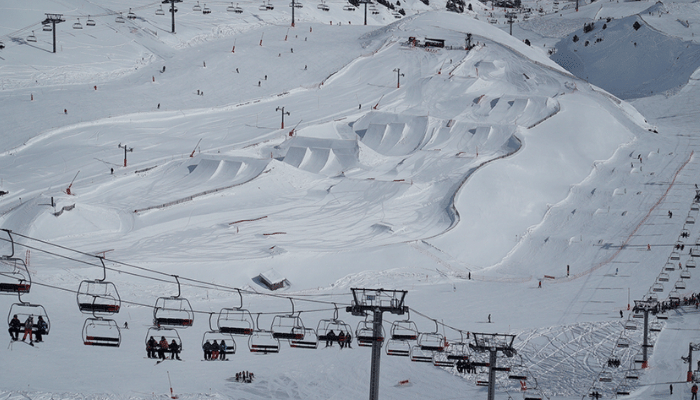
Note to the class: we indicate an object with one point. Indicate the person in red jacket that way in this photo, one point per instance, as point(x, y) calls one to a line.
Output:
point(694, 391)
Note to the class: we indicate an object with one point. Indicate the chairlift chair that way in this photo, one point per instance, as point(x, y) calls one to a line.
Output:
point(675, 256)
point(690, 263)
point(160, 11)
point(432, 341)
point(365, 333)
point(236, 321)
point(46, 28)
point(695, 251)
point(296, 4)
point(638, 314)
point(404, 330)
point(685, 274)
point(518, 373)
point(325, 326)
point(262, 341)
point(623, 343)
point(458, 350)
point(14, 276)
point(120, 19)
point(231, 8)
point(218, 336)
point(663, 277)
point(662, 315)
point(238, 9)
point(655, 326)
point(651, 297)
point(605, 376)
point(90, 21)
point(630, 325)
point(632, 374)
point(308, 341)
point(349, 7)
point(103, 332)
point(23, 310)
point(441, 360)
point(398, 348)
point(206, 10)
point(287, 326)
point(2, 45)
point(695, 207)
point(169, 334)
point(131, 15)
point(657, 287)
point(197, 7)
point(323, 6)
point(396, 14)
point(670, 266)
point(690, 220)
point(32, 37)
point(419, 354)
point(674, 295)
point(173, 311)
point(680, 284)
point(623, 390)
point(269, 6)
point(98, 296)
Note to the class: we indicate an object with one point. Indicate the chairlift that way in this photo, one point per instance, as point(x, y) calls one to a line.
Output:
point(637, 314)
point(365, 333)
point(308, 341)
point(404, 330)
point(269, 6)
point(98, 296)
point(90, 21)
point(419, 354)
point(396, 14)
point(655, 326)
point(131, 15)
point(325, 326)
point(296, 4)
point(623, 343)
point(632, 374)
point(120, 19)
point(160, 11)
point(518, 373)
point(663, 277)
point(197, 7)
point(236, 321)
point(287, 326)
point(206, 10)
point(695, 251)
point(2, 45)
point(458, 350)
point(173, 311)
point(432, 341)
point(651, 297)
point(662, 315)
point(46, 28)
point(103, 332)
point(685, 274)
point(441, 360)
point(398, 348)
point(680, 284)
point(623, 390)
point(674, 295)
point(218, 336)
point(675, 256)
point(670, 266)
point(695, 207)
point(630, 325)
point(262, 341)
point(32, 37)
point(657, 287)
point(323, 6)
point(160, 332)
point(262, 7)
point(349, 7)
point(690, 220)
point(690, 263)
point(14, 275)
point(24, 310)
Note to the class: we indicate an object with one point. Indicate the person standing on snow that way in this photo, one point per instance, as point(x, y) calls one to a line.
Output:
point(694, 391)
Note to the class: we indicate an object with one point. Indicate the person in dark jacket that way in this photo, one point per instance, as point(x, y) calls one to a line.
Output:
point(151, 347)
point(341, 339)
point(330, 338)
point(41, 327)
point(222, 350)
point(15, 326)
point(162, 347)
point(214, 351)
point(207, 350)
point(174, 350)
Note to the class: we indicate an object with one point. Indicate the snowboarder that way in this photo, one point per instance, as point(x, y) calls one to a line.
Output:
point(151, 346)
point(305, 67)
point(174, 350)
point(207, 350)
point(330, 338)
point(694, 391)
point(28, 326)
point(163, 69)
point(14, 328)
point(41, 327)
point(204, 63)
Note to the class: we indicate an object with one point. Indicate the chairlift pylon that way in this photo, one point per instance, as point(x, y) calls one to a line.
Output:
point(173, 311)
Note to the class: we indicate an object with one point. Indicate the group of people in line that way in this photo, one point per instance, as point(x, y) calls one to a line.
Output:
point(244, 376)
point(214, 351)
point(343, 339)
point(29, 328)
point(161, 347)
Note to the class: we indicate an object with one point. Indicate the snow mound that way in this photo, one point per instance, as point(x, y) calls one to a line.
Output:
point(322, 156)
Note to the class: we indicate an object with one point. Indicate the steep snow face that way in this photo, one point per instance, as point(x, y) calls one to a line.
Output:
point(627, 57)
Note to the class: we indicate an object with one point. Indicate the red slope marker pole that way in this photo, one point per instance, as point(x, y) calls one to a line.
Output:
point(172, 396)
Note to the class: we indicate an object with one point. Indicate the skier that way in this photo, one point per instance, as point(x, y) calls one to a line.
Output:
point(159, 106)
point(174, 350)
point(65, 111)
point(567, 269)
point(162, 347)
point(14, 328)
point(41, 327)
point(222, 350)
point(330, 338)
point(207, 350)
point(694, 391)
point(670, 214)
point(670, 387)
point(28, 326)
point(111, 171)
point(341, 340)
point(539, 286)
point(621, 315)
point(151, 347)
point(489, 318)
point(237, 71)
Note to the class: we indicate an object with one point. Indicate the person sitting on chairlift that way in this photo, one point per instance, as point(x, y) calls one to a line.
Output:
point(14, 328)
point(330, 338)
point(348, 340)
point(28, 325)
point(207, 350)
point(151, 347)
point(222, 350)
point(174, 350)
point(341, 340)
point(214, 351)
point(41, 327)
point(162, 347)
